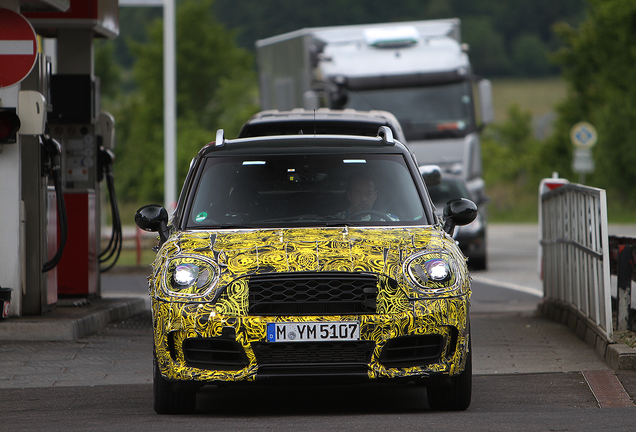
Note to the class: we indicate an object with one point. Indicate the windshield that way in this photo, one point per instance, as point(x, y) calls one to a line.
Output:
point(305, 190)
point(424, 112)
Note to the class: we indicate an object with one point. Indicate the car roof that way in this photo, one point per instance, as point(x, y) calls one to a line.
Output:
point(322, 120)
point(383, 142)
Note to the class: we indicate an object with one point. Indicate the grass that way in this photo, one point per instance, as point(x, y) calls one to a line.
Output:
point(128, 258)
point(508, 204)
point(537, 95)
point(511, 204)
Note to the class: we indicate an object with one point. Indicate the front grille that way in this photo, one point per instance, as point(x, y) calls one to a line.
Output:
point(323, 293)
point(268, 353)
point(214, 354)
point(408, 351)
point(313, 358)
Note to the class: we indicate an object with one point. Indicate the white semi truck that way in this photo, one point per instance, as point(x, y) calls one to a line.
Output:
point(419, 71)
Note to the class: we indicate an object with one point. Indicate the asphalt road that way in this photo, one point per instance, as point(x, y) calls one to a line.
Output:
point(527, 374)
point(537, 402)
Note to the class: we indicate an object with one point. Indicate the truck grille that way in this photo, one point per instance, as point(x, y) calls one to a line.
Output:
point(319, 293)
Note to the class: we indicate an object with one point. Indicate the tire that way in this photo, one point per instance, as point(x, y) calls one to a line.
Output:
point(168, 401)
point(457, 395)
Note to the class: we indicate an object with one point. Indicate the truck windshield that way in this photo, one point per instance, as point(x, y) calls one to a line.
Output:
point(424, 112)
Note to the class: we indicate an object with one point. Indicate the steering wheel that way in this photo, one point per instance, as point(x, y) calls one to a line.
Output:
point(380, 214)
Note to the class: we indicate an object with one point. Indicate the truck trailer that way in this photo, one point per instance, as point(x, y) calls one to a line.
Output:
point(418, 70)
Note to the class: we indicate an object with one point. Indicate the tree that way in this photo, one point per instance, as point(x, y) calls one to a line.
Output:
point(598, 61)
point(513, 167)
point(108, 71)
point(216, 88)
point(530, 57)
point(487, 48)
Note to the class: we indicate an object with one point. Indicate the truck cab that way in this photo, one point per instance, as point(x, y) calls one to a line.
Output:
point(419, 71)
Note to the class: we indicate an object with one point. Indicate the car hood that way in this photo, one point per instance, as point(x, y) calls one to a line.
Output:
point(239, 252)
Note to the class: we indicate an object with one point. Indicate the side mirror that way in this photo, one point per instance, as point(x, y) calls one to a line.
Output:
point(459, 211)
point(153, 218)
point(431, 174)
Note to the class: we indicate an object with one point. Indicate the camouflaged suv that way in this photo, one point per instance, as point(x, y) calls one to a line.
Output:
point(308, 256)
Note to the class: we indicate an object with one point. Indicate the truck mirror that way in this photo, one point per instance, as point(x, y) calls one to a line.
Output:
point(485, 102)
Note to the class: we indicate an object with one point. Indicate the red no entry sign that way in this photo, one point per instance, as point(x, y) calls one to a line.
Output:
point(18, 47)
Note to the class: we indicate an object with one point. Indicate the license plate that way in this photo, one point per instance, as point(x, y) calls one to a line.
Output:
point(313, 331)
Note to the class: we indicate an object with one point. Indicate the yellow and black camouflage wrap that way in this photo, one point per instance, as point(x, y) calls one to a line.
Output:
point(222, 300)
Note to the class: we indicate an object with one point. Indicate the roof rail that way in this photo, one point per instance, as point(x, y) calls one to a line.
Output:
point(386, 134)
point(220, 138)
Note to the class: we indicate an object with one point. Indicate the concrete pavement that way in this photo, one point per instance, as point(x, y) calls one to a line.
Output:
point(119, 353)
point(70, 322)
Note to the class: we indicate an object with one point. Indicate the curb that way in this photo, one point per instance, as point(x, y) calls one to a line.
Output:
point(70, 323)
point(618, 356)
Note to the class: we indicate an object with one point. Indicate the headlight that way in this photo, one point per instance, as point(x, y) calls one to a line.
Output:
point(190, 276)
point(431, 272)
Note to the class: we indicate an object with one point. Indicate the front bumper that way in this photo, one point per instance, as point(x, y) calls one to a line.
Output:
point(195, 343)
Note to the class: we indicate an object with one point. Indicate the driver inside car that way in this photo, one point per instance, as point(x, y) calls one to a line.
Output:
point(361, 194)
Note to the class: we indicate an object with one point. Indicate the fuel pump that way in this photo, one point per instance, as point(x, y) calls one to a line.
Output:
point(72, 122)
point(41, 193)
point(87, 138)
point(51, 153)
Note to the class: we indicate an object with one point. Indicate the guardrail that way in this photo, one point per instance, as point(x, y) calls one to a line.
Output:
point(576, 256)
